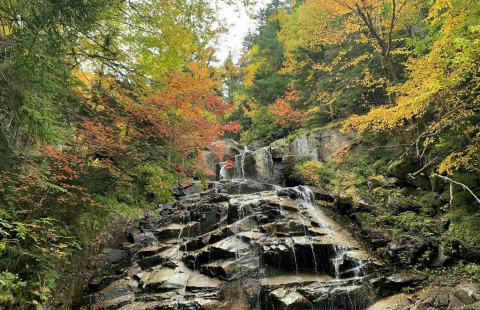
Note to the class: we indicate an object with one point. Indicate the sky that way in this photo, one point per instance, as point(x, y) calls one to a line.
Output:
point(239, 23)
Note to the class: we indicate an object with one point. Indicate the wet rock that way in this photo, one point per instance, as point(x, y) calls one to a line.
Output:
point(222, 269)
point(133, 270)
point(399, 281)
point(157, 248)
point(339, 297)
point(322, 194)
point(143, 240)
point(289, 228)
point(245, 166)
point(100, 283)
point(198, 281)
point(170, 232)
point(114, 291)
point(252, 293)
point(155, 279)
point(152, 261)
point(142, 306)
point(285, 300)
point(115, 303)
point(289, 205)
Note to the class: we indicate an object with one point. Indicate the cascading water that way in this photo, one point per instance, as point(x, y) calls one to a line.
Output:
point(255, 244)
point(223, 172)
point(245, 152)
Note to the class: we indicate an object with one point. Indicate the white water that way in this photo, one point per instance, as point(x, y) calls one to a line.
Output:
point(307, 198)
point(223, 172)
point(245, 151)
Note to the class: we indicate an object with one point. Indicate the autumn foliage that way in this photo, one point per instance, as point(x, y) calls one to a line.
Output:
point(285, 115)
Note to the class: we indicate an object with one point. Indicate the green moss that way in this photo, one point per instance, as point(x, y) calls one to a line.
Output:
point(464, 226)
point(280, 143)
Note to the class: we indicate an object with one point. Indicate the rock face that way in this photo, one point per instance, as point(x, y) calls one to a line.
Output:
point(320, 145)
point(262, 165)
point(274, 164)
point(264, 249)
point(449, 294)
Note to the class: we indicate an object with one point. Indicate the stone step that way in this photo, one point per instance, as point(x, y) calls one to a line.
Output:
point(155, 249)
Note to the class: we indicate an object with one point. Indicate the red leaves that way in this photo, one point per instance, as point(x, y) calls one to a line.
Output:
point(286, 116)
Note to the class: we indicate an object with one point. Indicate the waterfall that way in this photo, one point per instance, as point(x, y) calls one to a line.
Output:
point(255, 244)
point(223, 172)
point(242, 163)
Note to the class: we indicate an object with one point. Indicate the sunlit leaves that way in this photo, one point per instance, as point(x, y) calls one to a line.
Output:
point(445, 80)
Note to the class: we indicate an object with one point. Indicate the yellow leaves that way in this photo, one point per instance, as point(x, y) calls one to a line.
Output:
point(440, 9)
point(252, 108)
point(95, 163)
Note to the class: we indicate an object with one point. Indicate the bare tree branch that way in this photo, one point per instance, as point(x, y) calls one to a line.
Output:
point(458, 183)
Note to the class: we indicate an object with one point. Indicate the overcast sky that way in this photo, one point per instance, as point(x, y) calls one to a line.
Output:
point(239, 24)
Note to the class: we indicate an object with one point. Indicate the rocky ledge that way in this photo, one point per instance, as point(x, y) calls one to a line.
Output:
point(273, 249)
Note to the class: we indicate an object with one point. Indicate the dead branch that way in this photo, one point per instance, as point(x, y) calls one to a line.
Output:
point(458, 183)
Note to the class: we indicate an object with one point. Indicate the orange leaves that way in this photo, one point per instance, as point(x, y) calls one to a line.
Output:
point(182, 118)
point(229, 164)
point(232, 127)
point(185, 111)
point(285, 115)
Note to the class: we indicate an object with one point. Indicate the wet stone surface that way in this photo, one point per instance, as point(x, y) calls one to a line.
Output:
point(240, 245)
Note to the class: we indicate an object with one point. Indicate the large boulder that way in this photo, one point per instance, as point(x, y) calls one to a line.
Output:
point(398, 281)
point(469, 252)
point(264, 165)
point(400, 205)
point(407, 249)
point(376, 238)
point(284, 300)
point(245, 167)
point(404, 168)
